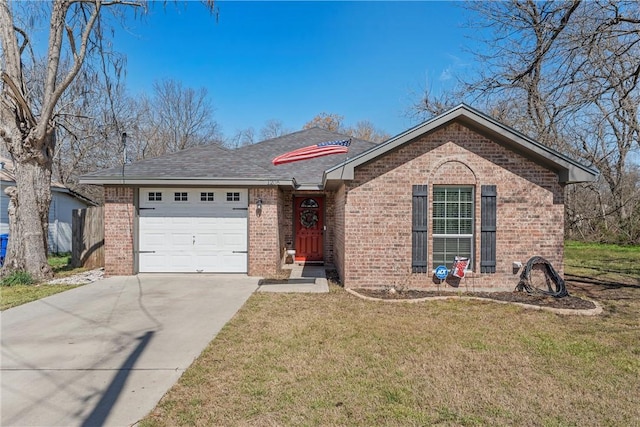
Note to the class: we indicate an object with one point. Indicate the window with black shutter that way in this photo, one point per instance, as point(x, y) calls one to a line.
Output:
point(453, 219)
point(488, 209)
point(419, 229)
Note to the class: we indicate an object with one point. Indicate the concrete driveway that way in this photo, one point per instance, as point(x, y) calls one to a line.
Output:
point(105, 353)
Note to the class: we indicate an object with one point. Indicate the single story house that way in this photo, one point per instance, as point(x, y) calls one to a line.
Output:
point(460, 184)
point(63, 202)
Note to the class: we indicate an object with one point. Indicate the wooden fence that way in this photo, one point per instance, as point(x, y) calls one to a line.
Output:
point(87, 246)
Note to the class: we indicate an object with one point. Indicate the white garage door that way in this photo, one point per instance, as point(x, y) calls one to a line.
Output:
point(193, 230)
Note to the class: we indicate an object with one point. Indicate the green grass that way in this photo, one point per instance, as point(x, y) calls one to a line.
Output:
point(21, 293)
point(334, 359)
point(60, 262)
point(606, 262)
point(61, 265)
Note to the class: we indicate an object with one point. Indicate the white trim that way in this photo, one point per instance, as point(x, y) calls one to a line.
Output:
point(183, 182)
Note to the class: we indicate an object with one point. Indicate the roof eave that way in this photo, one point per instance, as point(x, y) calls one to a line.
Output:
point(310, 187)
point(163, 181)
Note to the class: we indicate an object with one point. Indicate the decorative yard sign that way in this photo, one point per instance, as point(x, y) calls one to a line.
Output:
point(442, 272)
point(459, 266)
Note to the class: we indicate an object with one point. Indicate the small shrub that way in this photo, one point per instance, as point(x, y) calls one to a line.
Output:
point(17, 278)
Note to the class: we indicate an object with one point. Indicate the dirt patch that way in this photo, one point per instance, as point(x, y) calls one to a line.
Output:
point(603, 290)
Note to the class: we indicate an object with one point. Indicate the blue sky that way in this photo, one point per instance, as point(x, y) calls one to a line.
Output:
point(292, 60)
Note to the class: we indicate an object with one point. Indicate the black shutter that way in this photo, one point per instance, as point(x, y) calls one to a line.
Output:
point(419, 229)
point(488, 229)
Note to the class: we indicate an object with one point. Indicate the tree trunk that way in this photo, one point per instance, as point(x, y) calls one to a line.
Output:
point(29, 219)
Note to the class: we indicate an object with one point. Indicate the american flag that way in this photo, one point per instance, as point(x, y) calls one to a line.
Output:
point(312, 151)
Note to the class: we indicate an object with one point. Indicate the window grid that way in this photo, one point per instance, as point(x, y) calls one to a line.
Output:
point(180, 197)
point(453, 212)
point(155, 197)
point(206, 197)
point(309, 203)
point(233, 197)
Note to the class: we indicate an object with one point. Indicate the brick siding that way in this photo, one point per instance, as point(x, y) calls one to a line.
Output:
point(119, 220)
point(373, 218)
point(264, 232)
point(340, 198)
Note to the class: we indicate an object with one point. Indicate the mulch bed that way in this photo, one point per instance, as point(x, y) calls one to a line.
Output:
point(570, 302)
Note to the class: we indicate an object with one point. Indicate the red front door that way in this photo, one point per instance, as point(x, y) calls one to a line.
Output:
point(309, 226)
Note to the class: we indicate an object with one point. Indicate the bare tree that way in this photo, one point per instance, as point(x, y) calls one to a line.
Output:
point(272, 129)
point(89, 132)
point(29, 119)
point(364, 129)
point(566, 73)
point(174, 118)
point(331, 122)
point(30, 114)
point(241, 138)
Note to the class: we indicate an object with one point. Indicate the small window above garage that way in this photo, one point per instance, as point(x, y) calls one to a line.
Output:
point(180, 196)
point(207, 197)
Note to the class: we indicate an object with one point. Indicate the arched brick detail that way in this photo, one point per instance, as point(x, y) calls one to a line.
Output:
point(453, 172)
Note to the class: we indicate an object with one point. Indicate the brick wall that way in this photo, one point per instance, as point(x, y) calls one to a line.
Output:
point(340, 200)
point(119, 215)
point(264, 235)
point(374, 247)
point(330, 228)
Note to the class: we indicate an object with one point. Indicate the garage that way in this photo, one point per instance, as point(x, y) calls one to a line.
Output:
point(201, 230)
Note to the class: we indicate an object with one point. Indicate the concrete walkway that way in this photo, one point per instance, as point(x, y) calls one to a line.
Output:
point(105, 353)
point(303, 278)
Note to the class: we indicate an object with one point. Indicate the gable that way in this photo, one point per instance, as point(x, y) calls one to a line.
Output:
point(567, 170)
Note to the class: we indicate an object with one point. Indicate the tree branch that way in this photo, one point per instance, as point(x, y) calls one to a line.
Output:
point(17, 97)
point(547, 45)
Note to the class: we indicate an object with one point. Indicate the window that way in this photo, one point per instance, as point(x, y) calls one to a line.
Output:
point(180, 197)
point(155, 197)
point(233, 197)
point(309, 203)
point(206, 197)
point(453, 210)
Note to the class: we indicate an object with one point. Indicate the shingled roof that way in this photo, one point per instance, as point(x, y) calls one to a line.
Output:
point(307, 173)
point(249, 165)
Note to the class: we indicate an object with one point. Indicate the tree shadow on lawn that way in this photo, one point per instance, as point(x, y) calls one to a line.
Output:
point(603, 289)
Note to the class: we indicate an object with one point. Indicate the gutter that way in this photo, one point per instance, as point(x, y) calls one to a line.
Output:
point(156, 181)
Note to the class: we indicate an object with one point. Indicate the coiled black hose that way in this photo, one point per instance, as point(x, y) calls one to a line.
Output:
point(550, 274)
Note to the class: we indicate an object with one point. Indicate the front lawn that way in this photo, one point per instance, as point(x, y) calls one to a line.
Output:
point(334, 359)
point(12, 296)
point(604, 262)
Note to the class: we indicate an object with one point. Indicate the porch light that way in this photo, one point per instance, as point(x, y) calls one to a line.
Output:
point(259, 204)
